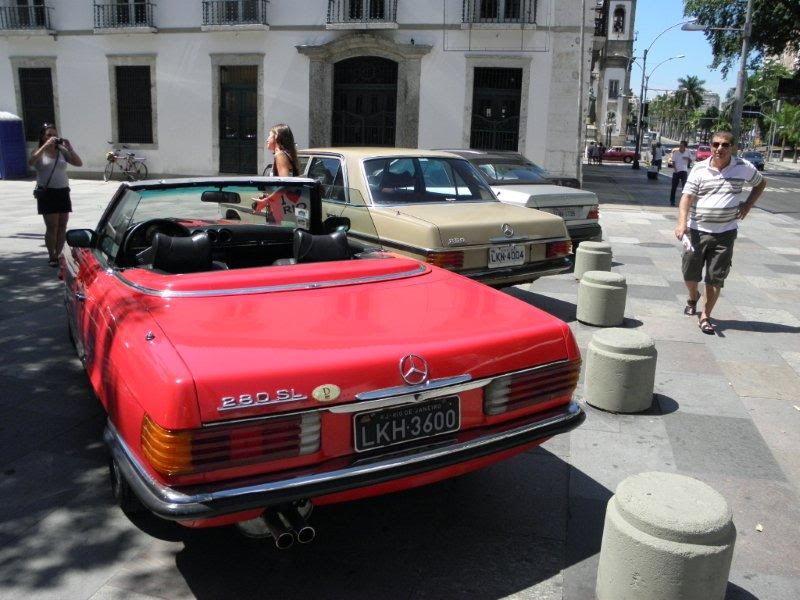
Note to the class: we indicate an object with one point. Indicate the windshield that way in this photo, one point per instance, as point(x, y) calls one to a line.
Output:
point(407, 180)
point(247, 224)
point(511, 172)
point(752, 155)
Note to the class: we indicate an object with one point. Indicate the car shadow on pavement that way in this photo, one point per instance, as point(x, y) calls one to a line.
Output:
point(491, 533)
point(558, 308)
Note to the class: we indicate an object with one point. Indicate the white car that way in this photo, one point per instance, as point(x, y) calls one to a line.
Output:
point(516, 180)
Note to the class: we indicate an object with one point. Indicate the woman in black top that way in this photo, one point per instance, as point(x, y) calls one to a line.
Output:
point(281, 143)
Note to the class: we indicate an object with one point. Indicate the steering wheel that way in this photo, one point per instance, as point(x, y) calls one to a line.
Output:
point(136, 249)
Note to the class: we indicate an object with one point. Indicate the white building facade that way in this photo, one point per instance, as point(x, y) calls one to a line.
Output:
point(194, 85)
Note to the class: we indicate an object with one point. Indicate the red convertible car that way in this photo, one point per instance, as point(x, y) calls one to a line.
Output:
point(251, 371)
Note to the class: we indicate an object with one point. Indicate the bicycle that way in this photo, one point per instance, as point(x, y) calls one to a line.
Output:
point(131, 165)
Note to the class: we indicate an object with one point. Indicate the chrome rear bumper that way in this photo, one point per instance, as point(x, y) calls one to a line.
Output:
point(208, 501)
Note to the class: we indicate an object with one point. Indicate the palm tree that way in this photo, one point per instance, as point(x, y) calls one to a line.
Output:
point(690, 91)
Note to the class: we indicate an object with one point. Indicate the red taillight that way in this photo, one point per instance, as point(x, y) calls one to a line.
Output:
point(446, 260)
point(534, 386)
point(556, 249)
point(594, 212)
point(207, 449)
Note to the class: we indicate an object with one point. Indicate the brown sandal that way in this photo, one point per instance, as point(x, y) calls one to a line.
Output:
point(691, 307)
point(706, 326)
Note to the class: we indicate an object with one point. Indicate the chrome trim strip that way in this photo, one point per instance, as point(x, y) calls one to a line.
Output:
point(171, 503)
point(389, 243)
point(395, 396)
point(419, 270)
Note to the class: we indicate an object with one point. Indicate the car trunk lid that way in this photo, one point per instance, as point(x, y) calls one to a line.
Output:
point(267, 353)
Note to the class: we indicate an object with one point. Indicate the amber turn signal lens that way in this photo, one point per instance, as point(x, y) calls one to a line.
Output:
point(169, 452)
point(446, 260)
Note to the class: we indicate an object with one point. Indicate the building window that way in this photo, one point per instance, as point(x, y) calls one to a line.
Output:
point(613, 89)
point(36, 91)
point(500, 11)
point(619, 20)
point(134, 106)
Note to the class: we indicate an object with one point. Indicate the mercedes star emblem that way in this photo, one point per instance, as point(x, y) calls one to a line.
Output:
point(508, 231)
point(413, 369)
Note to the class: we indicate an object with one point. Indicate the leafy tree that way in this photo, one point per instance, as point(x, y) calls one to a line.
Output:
point(690, 91)
point(775, 28)
point(787, 120)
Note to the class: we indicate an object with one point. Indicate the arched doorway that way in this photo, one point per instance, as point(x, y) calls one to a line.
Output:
point(364, 102)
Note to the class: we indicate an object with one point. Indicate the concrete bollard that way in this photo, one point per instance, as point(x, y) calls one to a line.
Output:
point(592, 256)
point(601, 298)
point(665, 537)
point(620, 370)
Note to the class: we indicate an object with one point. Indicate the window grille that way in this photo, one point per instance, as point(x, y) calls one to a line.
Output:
point(499, 11)
point(25, 14)
point(134, 105)
point(36, 90)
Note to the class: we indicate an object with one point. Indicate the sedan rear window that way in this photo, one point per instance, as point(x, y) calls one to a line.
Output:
point(511, 173)
point(406, 180)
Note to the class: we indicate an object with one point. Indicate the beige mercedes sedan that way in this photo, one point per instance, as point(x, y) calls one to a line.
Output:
point(435, 207)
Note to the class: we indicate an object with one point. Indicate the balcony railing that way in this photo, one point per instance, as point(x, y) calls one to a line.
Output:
point(362, 12)
point(115, 15)
point(24, 16)
point(499, 11)
point(234, 12)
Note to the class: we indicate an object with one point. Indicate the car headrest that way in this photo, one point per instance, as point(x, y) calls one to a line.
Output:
point(319, 248)
point(182, 254)
point(397, 180)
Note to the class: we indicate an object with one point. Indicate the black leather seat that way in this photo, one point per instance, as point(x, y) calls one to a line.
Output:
point(320, 248)
point(183, 254)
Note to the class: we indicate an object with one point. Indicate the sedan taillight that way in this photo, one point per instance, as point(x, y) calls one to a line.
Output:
point(446, 260)
point(534, 386)
point(556, 249)
point(594, 212)
point(173, 452)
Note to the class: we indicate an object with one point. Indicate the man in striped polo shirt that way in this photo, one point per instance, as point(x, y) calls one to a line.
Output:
point(710, 207)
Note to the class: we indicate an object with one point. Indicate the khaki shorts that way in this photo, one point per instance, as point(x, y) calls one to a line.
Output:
point(714, 251)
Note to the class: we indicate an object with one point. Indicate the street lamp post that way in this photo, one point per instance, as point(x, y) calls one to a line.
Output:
point(645, 83)
point(635, 163)
point(741, 78)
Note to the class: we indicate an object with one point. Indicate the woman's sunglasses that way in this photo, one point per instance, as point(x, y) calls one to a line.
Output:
point(718, 144)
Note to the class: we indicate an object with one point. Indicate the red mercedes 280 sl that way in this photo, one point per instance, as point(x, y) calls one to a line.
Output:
point(250, 371)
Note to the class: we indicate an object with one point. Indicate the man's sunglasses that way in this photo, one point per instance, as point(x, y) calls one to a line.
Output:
point(718, 144)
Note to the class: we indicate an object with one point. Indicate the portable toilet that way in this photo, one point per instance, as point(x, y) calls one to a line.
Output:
point(13, 158)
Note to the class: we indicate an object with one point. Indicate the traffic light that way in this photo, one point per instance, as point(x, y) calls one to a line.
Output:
point(645, 109)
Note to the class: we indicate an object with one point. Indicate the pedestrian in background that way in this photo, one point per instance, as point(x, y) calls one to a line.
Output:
point(709, 209)
point(50, 160)
point(601, 151)
point(658, 155)
point(681, 161)
point(281, 143)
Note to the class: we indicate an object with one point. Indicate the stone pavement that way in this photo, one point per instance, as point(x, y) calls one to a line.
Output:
point(726, 411)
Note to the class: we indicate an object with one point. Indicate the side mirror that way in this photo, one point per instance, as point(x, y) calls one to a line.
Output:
point(221, 197)
point(80, 238)
point(333, 224)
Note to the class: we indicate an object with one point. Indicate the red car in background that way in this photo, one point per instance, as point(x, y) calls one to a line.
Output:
point(252, 370)
point(703, 152)
point(619, 153)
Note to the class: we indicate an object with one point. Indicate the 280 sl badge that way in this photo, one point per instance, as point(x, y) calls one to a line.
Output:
point(326, 392)
point(259, 399)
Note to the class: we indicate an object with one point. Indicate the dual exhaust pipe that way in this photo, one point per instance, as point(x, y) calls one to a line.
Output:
point(284, 526)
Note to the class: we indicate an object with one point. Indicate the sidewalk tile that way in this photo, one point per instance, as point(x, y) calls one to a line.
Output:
point(723, 446)
point(762, 380)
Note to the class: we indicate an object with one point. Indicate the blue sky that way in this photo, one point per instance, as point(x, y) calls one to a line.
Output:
point(653, 17)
